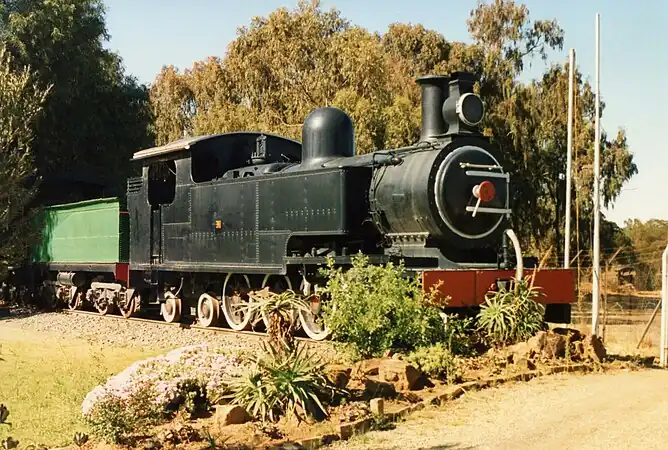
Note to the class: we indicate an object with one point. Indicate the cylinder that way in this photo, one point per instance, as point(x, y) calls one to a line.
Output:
point(71, 278)
point(434, 94)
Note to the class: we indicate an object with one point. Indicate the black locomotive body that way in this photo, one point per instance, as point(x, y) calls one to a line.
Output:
point(213, 217)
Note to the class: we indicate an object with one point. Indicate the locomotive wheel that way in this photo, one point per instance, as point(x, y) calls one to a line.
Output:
point(171, 309)
point(208, 310)
point(128, 310)
point(278, 284)
point(76, 301)
point(236, 301)
point(311, 320)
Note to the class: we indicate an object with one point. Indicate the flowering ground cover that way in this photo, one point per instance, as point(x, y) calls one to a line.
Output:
point(189, 378)
point(43, 379)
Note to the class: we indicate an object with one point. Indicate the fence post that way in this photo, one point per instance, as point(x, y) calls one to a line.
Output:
point(664, 308)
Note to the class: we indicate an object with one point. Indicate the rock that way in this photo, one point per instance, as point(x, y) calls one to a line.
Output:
point(366, 367)
point(537, 343)
point(577, 351)
point(338, 375)
point(525, 364)
point(404, 376)
point(576, 335)
point(594, 348)
point(377, 406)
point(520, 350)
point(410, 397)
point(555, 346)
point(231, 415)
point(330, 438)
point(377, 388)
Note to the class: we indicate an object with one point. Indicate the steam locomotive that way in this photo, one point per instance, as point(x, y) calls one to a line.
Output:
point(212, 218)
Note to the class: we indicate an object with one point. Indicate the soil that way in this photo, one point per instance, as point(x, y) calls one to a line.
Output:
point(595, 411)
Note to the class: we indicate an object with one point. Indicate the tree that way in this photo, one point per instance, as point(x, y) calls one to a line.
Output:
point(96, 116)
point(21, 103)
point(649, 240)
point(281, 67)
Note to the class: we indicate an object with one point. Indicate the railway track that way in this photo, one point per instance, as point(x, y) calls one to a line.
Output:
point(184, 325)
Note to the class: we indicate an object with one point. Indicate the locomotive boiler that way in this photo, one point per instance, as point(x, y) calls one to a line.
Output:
point(212, 218)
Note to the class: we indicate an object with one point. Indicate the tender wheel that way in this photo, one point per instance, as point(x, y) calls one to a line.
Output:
point(171, 309)
point(208, 310)
point(311, 320)
point(104, 308)
point(277, 284)
point(130, 306)
point(76, 301)
point(236, 301)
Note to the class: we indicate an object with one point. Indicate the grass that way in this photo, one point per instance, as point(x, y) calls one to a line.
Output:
point(44, 379)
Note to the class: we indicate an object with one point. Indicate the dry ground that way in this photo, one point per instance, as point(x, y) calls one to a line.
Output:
point(598, 411)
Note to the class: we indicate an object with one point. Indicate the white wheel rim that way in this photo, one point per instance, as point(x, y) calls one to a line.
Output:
point(175, 304)
point(207, 302)
point(230, 306)
point(313, 330)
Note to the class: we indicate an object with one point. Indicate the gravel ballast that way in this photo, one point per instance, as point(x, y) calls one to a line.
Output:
point(120, 332)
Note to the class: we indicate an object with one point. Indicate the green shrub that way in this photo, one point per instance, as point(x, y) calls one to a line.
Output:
point(436, 361)
point(376, 308)
point(460, 335)
point(283, 380)
point(511, 316)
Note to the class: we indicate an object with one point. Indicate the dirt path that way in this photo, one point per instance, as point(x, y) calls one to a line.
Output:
point(625, 410)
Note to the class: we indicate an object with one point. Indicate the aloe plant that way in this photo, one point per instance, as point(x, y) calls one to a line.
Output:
point(283, 381)
point(512, 315)
point(80, 438)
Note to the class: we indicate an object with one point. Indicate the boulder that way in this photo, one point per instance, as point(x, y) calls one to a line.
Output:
point(231, 415)
point(537, 343)
point(525, 364)
point(575, 335)
point(594, 348)
point(338, 375)
point(377, 388)
point(555, 346)
point(521, 350)
point(366, 367)
point(402, 375)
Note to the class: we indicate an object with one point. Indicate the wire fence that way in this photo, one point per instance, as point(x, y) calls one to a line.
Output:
point(629, 319)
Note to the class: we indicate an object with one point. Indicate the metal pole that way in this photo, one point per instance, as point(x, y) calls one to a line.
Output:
point(597, 195)
point(664, 305)
point(569, 163)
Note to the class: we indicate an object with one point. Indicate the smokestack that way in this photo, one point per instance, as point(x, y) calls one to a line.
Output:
point(433, 95)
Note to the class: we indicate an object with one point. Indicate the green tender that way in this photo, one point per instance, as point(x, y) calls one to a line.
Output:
point(92, 231)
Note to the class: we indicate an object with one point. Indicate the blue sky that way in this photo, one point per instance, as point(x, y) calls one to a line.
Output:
point(151, 33)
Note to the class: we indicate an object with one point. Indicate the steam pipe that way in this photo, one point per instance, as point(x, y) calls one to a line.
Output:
point(519, 269)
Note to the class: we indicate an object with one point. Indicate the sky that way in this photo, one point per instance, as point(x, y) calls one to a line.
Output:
point(634, 62)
